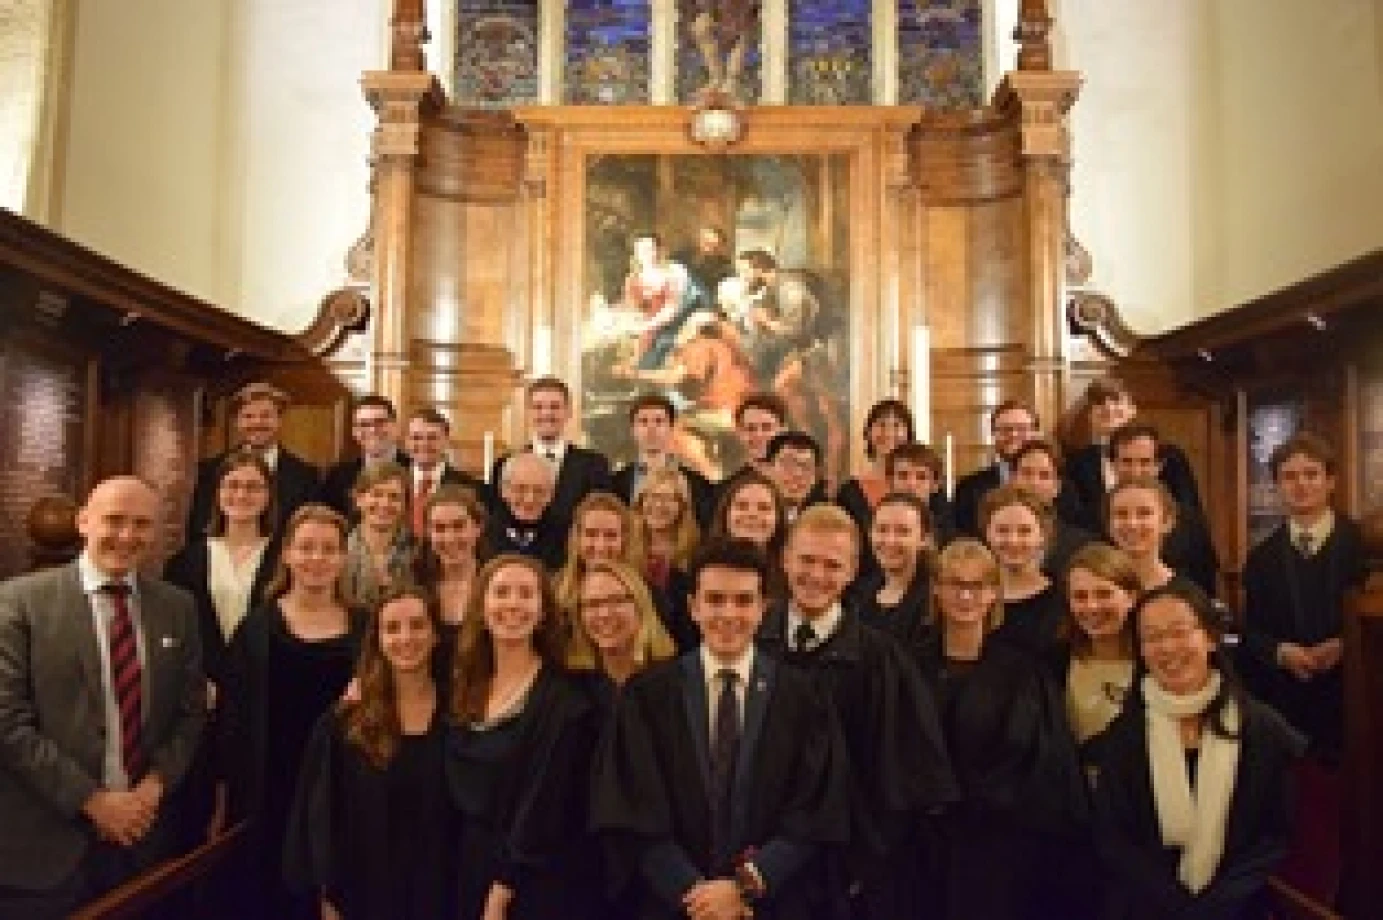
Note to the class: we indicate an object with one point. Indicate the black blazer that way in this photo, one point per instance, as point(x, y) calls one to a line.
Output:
point(965, 504)
point(296, 482)
point(190, 569)
point(703, 493)
point(582, 472)
point(340, 480)
point(1085, 471)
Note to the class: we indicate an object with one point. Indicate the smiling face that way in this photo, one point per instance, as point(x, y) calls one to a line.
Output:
point(1175, 647)
point(548, 413)
point(117, 524)
point(1136, 457)
point(965, 592)
point(452, 533)
point(1012, 429)
point(406, 635)
point(1099, 606)
point(599, 536)
point(314, 555)
point(257, 423)
point(609, 613)
point(751, 514)
point(526, 487)
point(819, 564)
point(897, 537)
point(1138, 522)
point(795, 471)
point(889, 430)
point(728, 606)
point(1037, 473)
point(913, 478)
point(1015, 535)
point(375, 430)
point(512, 605)
point(382, 504)
point(1109, 414)
point(756, 427)
point(427, 443)
point(1305, 485)
point(243, 494)
point(661, 507)
point(652, 429)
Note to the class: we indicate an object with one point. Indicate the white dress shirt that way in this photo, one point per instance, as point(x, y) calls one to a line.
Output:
point(712, 666)
point(1318, 532)
point(824, 626)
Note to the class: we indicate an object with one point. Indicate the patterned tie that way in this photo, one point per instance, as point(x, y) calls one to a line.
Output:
point(803, 637)
point(725, 747)
point(420, 493)
point(1305, 543)
point(126, 680)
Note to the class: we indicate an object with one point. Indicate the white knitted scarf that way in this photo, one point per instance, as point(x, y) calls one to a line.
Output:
point(1191, 820)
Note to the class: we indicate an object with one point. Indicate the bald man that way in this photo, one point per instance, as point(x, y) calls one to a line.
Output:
point(102, 700)
point(523, 521)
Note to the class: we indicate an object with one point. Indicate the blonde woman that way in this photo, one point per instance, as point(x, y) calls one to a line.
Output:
point(617, 631)
point(666, 535)
point(1022, 792)
point(601, 530)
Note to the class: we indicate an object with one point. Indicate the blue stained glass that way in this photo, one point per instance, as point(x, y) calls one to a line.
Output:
point(940, 57)
point(607, 51)
point(830, 52)
point(497, 52)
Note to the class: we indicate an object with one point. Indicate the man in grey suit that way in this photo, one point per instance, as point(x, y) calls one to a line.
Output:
point(102, 699)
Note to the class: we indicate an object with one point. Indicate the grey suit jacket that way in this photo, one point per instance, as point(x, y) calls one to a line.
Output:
point(52, 713)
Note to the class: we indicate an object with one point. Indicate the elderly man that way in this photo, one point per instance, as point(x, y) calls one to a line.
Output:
point(522, 520)
point(102, 699)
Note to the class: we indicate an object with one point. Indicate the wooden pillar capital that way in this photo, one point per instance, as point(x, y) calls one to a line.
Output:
point(1041, 100)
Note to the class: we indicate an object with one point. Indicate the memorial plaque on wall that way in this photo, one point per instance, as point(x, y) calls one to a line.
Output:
point(43, 398)
point(1371, 440)
point(165, 452)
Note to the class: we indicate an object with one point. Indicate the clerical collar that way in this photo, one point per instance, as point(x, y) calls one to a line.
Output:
point(823, 626)
point(1317, 533)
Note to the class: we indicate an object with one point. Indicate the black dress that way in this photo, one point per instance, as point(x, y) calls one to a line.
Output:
point(1035, 621)
point(277, 687)
point(909, 621)
point(378, 844)
point(520, 786)
point(1144, 883)
point(1290, 597)
point(1023, 792)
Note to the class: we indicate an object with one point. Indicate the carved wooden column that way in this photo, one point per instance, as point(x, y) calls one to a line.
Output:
point(1040, 98)
point(402, 100)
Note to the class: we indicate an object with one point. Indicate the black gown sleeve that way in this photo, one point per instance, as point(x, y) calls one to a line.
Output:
point(311, 849)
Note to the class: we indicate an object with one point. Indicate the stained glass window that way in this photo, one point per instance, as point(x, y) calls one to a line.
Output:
point(940, 59)
point(718, 49)
point(607, 51)
point(829, 52)
point(497, 52)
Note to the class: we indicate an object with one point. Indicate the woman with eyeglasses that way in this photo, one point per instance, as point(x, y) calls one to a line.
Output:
point(227, 574)
point(665, 535)
point(1192, 806)
point(1012, 752)
point(370, 833)
point(617, 631)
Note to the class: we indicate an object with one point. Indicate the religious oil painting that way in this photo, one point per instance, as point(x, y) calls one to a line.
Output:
point(706, 278)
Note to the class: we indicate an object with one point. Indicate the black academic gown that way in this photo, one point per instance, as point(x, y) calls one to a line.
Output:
point(377, 843)
point(909, 621)
point(970, 490)
point(651, 798)
point(544, 539)
point(1143, 883)
point(1292, 598)
point(1067, 540)
point(1085, 471)
point(899, 770)
point(520, 789)
point(582, 472)
point(703, 492)
point(1190, 551)
point(1035, 621)
point(1023, 792)
point(673, 606)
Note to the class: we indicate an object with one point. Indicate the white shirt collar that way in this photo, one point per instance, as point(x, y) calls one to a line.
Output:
point(558, 449)
point(270, 456)
point(742, 666)
point(93, 579)
point(824, 626)
point(1319, 531)
point(433, 475)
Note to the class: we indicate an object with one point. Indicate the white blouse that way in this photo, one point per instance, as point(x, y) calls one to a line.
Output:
point(229, 584)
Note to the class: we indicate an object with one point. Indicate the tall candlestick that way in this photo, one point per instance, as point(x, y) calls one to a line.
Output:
point(950, 466)
point(489, 455)
point(921, 379)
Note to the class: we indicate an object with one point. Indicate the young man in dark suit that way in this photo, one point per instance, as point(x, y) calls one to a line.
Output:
point(427, 437)
point(721, 780)
point(102, 700)
point(256, 412)
point(651, 420)
point(1091, 469)
point(793, 462)
point(375, 430)
point(1012, 424)
point(1135, 450)
point(579, 471)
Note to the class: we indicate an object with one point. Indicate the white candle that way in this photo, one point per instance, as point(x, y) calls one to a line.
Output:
point(950, 466)
point(921, 379)
point(489, 454)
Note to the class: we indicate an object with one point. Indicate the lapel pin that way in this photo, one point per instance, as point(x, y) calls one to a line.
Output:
point(169, 641)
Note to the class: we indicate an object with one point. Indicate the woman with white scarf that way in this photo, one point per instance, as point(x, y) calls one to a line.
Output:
point(1192, 805)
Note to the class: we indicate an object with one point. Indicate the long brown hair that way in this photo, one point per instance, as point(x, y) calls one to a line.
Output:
point(372, 722)
point(651, 643)
point(240, 458)
point(307, 514)
point(473, 668)
point(567, 581)
point(688, 534)
point(1111, 564)
point(427, 568)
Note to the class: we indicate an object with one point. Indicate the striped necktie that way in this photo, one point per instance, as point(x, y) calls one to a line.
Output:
point(126, 680)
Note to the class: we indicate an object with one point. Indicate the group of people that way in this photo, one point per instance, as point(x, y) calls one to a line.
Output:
point(565, 692)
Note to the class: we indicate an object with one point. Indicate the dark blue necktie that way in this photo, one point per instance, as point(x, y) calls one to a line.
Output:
point(725, 747)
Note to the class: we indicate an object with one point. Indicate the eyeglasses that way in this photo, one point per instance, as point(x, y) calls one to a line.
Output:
point(612, 602)
point(957, 586)
point(250, 488)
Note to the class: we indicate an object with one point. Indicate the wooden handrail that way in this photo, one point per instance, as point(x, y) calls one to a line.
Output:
point(1290, 904)
point(145, 890)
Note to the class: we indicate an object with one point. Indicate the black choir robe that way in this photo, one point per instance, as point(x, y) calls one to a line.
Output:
point(296, 482)
point(703, 492)
point(1023, 794)
point(582, 472)
point(910, 621)
point(520, 789)
point(1293, 598)
point(965, 503)
point(544, 539)
point(673, 604)
point(651, 799)
point(1067, 540)
point(1035, 621)
point(1189, 550)
point(1143, 883)
point(1085, 470)
point(377, 843)
point(899, 769)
